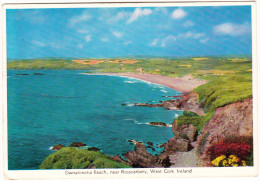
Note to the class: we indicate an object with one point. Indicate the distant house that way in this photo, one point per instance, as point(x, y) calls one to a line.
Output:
point(122, 69)
point(157, 70)
point(139, 70)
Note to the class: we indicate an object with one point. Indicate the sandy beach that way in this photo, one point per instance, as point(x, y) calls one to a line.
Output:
point(185, 84)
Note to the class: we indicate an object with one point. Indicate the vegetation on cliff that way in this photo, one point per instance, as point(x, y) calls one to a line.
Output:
point(218, 92)
point(76, 158)
point(225, 90)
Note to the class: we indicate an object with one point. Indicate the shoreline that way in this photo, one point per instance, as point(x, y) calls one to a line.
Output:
point(184, 85)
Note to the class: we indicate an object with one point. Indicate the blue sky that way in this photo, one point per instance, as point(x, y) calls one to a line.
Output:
point(113, 32)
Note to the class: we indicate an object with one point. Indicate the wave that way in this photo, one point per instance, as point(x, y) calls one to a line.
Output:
point(51, 148)
point(130, 82)
point(135, 121)
point(164, 91)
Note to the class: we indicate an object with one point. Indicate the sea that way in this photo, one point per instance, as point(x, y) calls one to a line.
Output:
point(65, 106)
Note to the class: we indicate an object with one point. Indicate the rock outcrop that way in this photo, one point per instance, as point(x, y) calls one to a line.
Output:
point(232, 120)
point(140, 158)
point(177, 144)
point(186, 131)
point(58, 147)
point(77, 144)
point(93, 149)
point(186, 102)
point(158, 124)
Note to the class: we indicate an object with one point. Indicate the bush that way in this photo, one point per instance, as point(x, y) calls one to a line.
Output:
point(231, 161)
point(76, 158)
point(239, 146)
point(189, 117)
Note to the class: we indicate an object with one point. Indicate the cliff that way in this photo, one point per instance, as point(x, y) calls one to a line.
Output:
point(233, 120)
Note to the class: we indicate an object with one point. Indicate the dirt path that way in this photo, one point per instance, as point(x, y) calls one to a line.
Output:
point(185, 159)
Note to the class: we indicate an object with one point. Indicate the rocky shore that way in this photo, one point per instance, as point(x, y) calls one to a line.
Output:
point(188, 148)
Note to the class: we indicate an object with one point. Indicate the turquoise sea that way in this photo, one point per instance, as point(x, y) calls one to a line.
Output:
point(64, 106)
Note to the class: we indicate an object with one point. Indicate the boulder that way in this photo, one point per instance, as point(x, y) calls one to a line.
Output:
point(93, 149)
point(186, 131)
point(150, 143)
point(117, 158)
point(140, 158)
point(177, 144)
point(77, 144)
point(158, 124)
point(22, 74)
point(58, 147)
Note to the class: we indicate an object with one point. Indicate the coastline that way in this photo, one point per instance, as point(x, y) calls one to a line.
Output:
point(185, 84)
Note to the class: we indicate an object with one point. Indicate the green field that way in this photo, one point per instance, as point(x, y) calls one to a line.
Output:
point(200, 67)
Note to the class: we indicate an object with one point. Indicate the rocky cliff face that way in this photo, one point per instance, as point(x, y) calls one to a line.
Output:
point(186, 102)
point(232, 120)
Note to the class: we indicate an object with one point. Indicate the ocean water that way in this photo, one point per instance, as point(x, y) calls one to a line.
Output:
point(64, 106)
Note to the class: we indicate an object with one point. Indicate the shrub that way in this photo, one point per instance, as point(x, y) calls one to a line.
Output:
point(189, 117)
point(238, 146)
point(75, 158)
point(231, 161)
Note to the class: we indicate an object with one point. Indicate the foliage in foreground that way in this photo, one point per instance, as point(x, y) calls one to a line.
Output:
point(233, 151)
point(75, 158)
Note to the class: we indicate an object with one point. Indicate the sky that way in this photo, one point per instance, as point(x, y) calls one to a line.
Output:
point(118, 32)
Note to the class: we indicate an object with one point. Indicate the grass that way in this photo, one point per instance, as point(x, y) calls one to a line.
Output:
point(189, 117)
point(75, 158)
point(218, 92)
point(225, 90)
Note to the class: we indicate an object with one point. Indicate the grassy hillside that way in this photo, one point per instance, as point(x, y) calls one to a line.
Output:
point(218, 92)
point(75, 158)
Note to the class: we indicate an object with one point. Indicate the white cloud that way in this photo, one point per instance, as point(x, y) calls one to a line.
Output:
point(55, 45)
point(147, 11)
point(161, 10)
point(232, 29)
point(82, 31)
point(80, 45)
point(47, 44)
point(189, 34)
point(38, 43)
point(104, 39)
point(168, 39)
point(78, 19)
point(120, 16)
point(204, 40)
point(188, 24)
point(139, 13)
point(117, 34)
point(154, 42)
point(128, 42)
point(178, 14)
point(88, 38)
